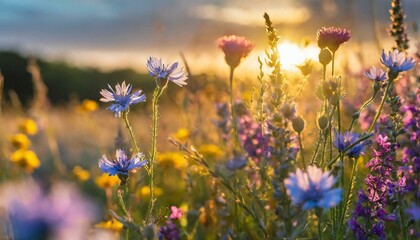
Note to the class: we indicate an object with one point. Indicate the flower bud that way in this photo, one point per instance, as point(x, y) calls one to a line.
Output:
point(335, 99)
point(325, 57)
point(298, 124)
point(323, 122)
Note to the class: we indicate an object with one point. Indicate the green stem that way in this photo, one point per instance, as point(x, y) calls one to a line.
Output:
point(318, 213)
point(301, 149)
point(317, 146)
point(130, 130)
point(123, 189)
point(343, 211)
point(155, 116)
point(333, 61)
point(392, 76)
point(232, 108)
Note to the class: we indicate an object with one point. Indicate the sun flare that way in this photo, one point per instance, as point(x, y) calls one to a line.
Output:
point(291, 54)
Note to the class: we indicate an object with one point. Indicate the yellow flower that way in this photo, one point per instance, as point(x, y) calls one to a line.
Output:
point(144, 192)
point(81, 174)
point(182, 134)
point(105, 181)
point(26, 159)
point(20, 141)
point(170, 159)
point(28, 126)
point(88, 106)
point(199, 170)
point(112, 225)
point(210, 151)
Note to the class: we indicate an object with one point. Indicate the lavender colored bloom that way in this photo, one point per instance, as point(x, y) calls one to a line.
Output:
point(122, 164)
point(396, 61)
point(414, 212)
point(169, 232)
point(236, 163)
point(376, 74)
point(312, 189)
point(332, 37)
point(173, 73)
point(61, 214)
point(122, 97)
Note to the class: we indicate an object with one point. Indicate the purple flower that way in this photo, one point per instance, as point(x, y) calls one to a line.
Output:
point(396, 61)
point(169, 232)
point(332, 37)
point(236, 163)
point(122, 164)
point(122, 98)
point(414, 212)
point(60, 214)
point(376, 74)
point(173, 73)
point(312, 189)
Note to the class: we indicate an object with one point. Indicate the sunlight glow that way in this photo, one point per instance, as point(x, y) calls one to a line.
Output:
point(291, 54)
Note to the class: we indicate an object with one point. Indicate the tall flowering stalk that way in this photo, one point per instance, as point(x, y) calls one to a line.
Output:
point(163, 74)
point(397, 27)
point(235, 49)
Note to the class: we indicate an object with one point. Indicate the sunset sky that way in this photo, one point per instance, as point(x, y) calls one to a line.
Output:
point(114, 34)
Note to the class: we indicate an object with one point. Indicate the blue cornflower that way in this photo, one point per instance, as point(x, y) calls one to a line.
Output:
point(312, 189)
point(122, 97)
point(343, 141)
point(122, 164)
point(376, 74)
point(172, 73)
point(396, 61)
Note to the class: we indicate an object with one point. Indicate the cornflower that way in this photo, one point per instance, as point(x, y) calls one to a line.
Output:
point(173, 73)
point(396, 61)
point(343, 141)
point(122, 165)
point(312, 189)
point(122, 98)
point(376, 74)
point(332, 37)
point(235, 48)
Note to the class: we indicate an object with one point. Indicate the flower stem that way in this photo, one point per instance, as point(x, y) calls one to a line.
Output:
point(155, 116)
point(392, 76)
point(123, 190)
point(332, 64)
point(301, 149)
point(130, 130)
point(343, 211)
point(232, 108)
point(318, 213)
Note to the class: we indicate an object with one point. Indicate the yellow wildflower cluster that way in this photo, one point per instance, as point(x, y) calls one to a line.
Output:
point(81, 174)
point(113, 225)
point(87, 106)
point(182, 134)
point(105, 181)
point(28, 126)
point(172, 159)
point(22, 156)
point(143, 193)
point(210, 151)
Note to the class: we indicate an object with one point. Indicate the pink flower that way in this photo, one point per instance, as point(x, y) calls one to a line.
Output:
point(235, 48)
point(332, 37)
point(176, 213)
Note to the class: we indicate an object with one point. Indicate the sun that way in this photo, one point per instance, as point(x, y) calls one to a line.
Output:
point(292, 54)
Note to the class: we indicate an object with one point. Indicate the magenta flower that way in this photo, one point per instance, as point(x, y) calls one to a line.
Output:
point(376, 74)
point(235, 48)
point(332, 37)
point(176, 213)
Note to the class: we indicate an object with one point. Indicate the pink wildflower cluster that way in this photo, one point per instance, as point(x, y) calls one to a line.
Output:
point(235, 48)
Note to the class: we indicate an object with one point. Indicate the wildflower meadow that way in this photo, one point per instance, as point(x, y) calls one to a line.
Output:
point(311, 150)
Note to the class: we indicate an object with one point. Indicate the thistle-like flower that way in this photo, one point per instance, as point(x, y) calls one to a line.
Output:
point(122, 164)
point(173, 73)
point(396, 61)
point(312, 189)
point(235, 48)
point(376, 74)
point(122, 98)
point(332, 37)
